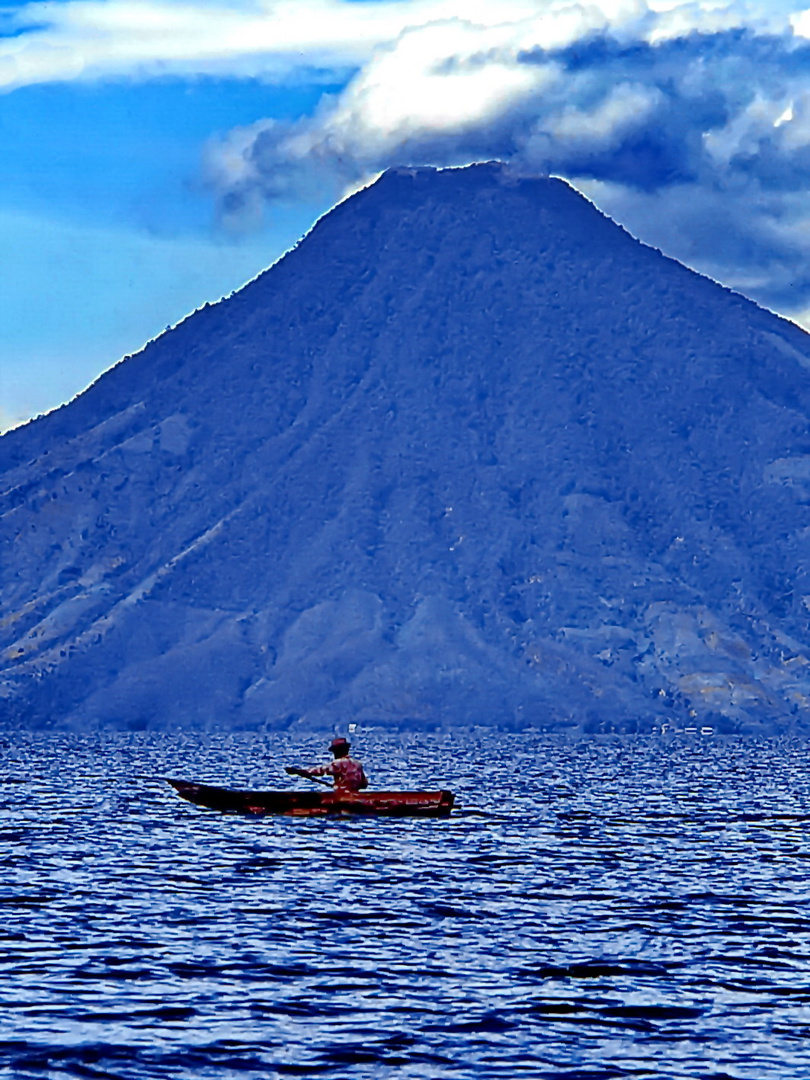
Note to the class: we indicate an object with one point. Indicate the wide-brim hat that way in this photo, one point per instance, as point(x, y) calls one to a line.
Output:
point(339, 743)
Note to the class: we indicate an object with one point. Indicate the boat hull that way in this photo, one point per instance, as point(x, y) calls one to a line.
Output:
point(317, 803)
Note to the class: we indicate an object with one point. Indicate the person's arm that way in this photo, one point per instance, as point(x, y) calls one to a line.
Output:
point(315, 770)
point(321, 770)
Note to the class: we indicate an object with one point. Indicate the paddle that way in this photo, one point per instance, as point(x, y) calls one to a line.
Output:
point(293, 771)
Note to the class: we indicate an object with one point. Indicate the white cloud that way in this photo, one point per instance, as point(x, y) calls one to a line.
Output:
point(444, 78)
point(94, 39)
point(624, 107)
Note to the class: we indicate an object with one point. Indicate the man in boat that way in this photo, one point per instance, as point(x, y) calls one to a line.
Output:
point(347, 773)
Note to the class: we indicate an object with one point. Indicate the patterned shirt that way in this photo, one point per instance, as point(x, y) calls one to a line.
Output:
point(348, 773)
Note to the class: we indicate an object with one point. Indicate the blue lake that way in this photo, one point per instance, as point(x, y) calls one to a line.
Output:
point(593, 909)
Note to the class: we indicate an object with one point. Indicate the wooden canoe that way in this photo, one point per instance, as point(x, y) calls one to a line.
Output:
point(317, 803)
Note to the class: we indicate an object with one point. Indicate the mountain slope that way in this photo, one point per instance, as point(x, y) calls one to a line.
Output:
point(469, 453)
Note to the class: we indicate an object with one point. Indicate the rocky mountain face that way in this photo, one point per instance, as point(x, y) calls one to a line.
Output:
point(469, 454)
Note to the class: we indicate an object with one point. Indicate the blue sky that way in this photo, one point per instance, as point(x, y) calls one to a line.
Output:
point(157, 154)
point(109, 229)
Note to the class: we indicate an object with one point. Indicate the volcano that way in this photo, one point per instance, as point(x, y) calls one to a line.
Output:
point(469, 454)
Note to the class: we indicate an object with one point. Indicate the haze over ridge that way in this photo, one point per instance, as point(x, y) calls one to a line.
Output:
point(469, 453)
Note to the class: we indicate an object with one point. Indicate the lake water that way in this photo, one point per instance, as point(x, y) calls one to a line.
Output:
point(636, 908)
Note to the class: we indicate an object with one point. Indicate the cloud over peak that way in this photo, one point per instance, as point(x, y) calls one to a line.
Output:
point(689, 124)
point(687, 121)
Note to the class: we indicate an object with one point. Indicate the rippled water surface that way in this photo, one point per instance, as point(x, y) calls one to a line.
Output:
point(593, 909)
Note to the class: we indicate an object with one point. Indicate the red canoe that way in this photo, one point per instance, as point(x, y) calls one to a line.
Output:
point(318, 803)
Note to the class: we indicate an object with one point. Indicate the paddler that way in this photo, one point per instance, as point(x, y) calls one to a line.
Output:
point(347, 773)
